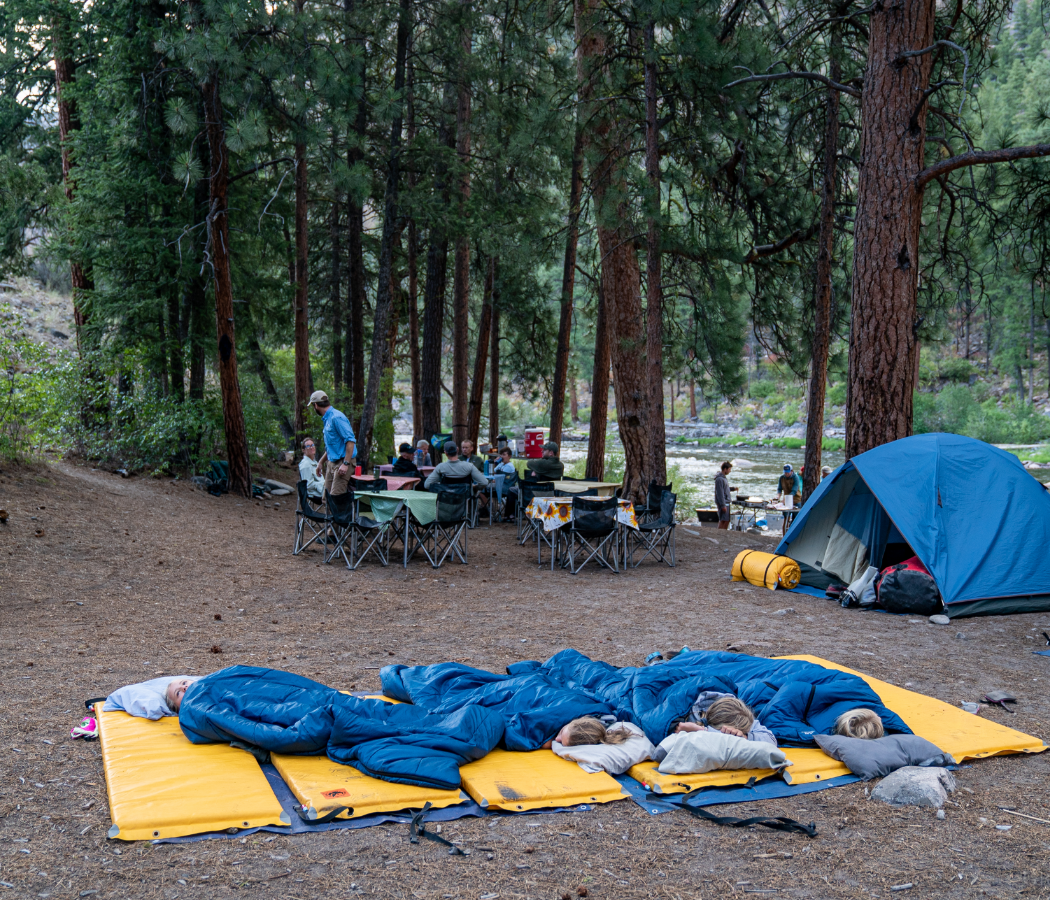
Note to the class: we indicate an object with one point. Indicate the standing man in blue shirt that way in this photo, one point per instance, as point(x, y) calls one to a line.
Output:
point(340, 445)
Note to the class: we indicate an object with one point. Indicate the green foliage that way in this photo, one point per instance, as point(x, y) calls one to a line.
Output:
point(761, 390)
point(747, 420)
point(955, 410)
point(789, 414)
point(23, 390)
point(836, 394)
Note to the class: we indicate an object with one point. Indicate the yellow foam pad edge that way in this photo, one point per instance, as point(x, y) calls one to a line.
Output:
point(955, 731)
point(322, 786)
point(535, 780)
point(160, 785)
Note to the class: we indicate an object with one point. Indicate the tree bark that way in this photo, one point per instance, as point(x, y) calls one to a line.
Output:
point(654, 290)
point(494, 367)
point(461, 269)
point(219, 254)
point(599, 394)
point(175, 361)
point(574, 400)
point(381, 318)
point(568, 282)
point(692, 399)
point(883, 341)
point(354, 348)
point(413, 275)
point(302, 332)
point(620, 275)
point(335, 301)
point(477, 384)
point(821, 344)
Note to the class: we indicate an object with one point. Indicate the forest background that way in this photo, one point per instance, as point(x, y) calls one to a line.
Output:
point(476, 214)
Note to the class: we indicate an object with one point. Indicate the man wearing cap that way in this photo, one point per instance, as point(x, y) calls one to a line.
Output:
point(790, 483)
point(340, 445)
point(404, 465)
point(453, 467)
point(549, 467)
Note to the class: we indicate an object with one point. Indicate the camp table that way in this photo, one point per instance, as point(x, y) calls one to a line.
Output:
point(421, 504)
point(552, 513)
point(393, 482)
point(748, 508)
point(604, 488)
point(387, 468)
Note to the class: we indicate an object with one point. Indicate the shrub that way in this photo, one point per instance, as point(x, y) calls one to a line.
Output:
point(760, 390)
point(789, 415)
point(836, 395)
point(774, 400)
point(747, 420)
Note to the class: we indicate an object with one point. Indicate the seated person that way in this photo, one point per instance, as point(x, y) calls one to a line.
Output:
point(453, 467)
point(422, 455)
point(548, 467)
point(151, 699)
point(467, 454)
point(509, 493)
point(714, 711)
point(308, 471)
point(860, 723)
point(404, 465)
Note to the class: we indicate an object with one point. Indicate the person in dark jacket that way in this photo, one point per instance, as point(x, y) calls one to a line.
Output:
point(404, 465)
point(549, 467)
point(722, 498)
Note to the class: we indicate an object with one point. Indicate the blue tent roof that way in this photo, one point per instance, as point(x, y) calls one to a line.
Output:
point(978, 521)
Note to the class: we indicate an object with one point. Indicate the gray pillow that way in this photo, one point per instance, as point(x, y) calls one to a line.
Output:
point(877, 758)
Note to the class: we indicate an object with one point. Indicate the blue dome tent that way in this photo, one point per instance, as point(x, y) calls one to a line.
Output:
point(975, 518)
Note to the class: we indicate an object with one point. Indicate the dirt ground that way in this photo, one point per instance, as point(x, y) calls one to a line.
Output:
point(106, 581)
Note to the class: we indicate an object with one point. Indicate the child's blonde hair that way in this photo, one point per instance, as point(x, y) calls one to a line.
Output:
point(731, 711)
point(586, 730)
point(860, 723)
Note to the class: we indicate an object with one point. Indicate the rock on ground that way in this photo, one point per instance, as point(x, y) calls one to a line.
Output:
point(916, 786)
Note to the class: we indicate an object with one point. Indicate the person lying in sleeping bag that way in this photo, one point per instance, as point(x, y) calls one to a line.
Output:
point(727, 714)
point(286, 713)
point(153, 699)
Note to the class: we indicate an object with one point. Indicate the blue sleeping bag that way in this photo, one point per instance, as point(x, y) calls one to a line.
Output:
point(286, 713)
point(794, 699)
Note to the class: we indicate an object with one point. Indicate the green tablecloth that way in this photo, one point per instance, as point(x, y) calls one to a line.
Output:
point(383, 503)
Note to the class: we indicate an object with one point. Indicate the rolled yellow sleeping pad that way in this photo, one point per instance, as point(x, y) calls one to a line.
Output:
point(766, 569)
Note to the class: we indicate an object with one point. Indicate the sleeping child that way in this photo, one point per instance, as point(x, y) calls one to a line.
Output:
point(714, 711)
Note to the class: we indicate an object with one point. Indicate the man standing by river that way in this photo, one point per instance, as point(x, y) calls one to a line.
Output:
point(722, 495)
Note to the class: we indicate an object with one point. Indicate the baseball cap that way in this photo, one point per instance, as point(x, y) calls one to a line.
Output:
point(318, 397)
point(451, 448)
point(552, 446)
point(787, 467)
point(405, 448)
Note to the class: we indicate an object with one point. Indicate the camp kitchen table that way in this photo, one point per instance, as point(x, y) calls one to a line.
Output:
point(553, 513)
point(748, 508)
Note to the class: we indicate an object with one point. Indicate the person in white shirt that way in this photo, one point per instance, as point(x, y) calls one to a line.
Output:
point(308, 471)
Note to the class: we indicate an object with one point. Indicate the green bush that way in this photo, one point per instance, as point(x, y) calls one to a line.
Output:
point(957, 369)
point(709, 414)
point(788, 443)
point(836, 395)
point(833, 445)
point(747, 420)
point(955, 410)
point(838, 421)
point(760, 390)
point(789, 415)
point(774, 400)
point(24, 391)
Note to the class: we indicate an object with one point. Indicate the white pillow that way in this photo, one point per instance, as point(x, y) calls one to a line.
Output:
point(612, 758)
point(146, 699)
point(695, 752)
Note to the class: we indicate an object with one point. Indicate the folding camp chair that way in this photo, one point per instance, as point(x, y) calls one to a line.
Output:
point(306, 517)
point(447, 534)
point(359, 530)
point(340, 519)
point(463, 484)
point(526, 491)
point(651, 509)
point(656, 536)
point(592, 531)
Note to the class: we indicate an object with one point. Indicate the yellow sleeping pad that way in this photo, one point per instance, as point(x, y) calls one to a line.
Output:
point(160, 785)
point(962, 734)
point(322, 785)
point(535, 780)
point(766, 569)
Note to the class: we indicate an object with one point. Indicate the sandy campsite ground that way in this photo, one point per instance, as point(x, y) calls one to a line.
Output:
point(107, 581)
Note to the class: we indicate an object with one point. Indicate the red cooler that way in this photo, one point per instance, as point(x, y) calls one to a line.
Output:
point(533, 443)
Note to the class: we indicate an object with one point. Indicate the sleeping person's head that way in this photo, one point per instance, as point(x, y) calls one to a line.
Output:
point(730, 714)
point(860, 723)
point(586, 730)
point(175, 691)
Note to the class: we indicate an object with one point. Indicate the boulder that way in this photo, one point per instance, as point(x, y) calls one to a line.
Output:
point(916, 786)
point(278, 486)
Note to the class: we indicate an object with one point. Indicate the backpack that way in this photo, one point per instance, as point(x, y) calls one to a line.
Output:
point(908, 587)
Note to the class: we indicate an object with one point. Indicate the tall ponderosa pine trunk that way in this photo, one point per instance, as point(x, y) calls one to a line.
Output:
point(219, 250)
point(477, 384)
point(654, 288)
point(620, 275)
point(197, 288)
point(494, 366)
point(413, 272)
point(599, 394)
point(335, 301)
point(384, 298)
point(883, 341)
point(821, 344)
point(302, 332)
point(461, 270)
point(568, 283)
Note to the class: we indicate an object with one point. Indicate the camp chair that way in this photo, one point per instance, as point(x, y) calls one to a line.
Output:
point(306, 517)
point(447, 534)
point(526, 491)
point(217, 481)
point(347, 524)
point(656, 536)
point(340, 519)
point(651, 508)
point(593, 531)
point(463, 484)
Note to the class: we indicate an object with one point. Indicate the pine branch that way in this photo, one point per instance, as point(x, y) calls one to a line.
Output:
point(253, 169)
point(809, 76)
point(764, 250)
point(979, 158)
